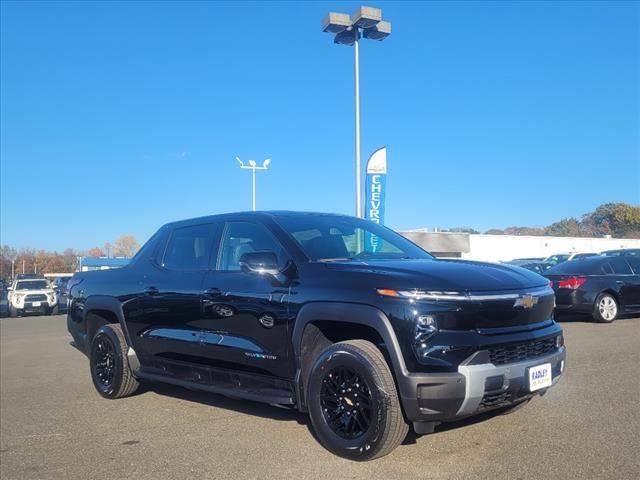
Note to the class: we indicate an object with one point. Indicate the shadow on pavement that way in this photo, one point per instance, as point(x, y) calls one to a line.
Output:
point(281, 413)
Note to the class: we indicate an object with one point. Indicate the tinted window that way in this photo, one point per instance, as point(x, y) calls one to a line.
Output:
point(582, 266)
point(33, 285)
point(244, 237)
point(189, 248)
point(634, 262)
point(327, 237)
point(620, 266)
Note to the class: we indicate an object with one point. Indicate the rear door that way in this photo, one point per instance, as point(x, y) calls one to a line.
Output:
point(631, 286)
point(166, 321)
point(245, 314)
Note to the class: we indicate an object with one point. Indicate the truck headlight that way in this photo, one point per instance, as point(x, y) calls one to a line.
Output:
point(52, 297)
point(425, 327)
point(18, 297)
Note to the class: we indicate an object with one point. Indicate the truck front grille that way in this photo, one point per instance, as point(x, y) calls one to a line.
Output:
point(517, 352)
point(38, 297)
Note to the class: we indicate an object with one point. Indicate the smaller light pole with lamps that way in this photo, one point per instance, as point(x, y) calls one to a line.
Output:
point(253, 167)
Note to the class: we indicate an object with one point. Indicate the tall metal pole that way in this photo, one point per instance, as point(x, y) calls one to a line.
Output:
point(357, 62)
point(253, 171)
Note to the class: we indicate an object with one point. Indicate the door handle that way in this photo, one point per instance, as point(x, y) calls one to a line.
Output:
point(212, 292)
point(619, 281)
point(151, 291)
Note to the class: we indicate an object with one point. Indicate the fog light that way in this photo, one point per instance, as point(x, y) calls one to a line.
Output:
point(559, 341)
point(425, 327)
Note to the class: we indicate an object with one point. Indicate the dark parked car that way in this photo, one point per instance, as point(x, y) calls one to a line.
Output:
point(534, 266)
point(604, 287)
point(625, 252)
point(333, 315)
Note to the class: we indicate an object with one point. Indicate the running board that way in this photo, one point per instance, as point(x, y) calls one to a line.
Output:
point(262, 396)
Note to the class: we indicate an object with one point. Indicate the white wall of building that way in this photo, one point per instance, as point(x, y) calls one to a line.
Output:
point(495, 248)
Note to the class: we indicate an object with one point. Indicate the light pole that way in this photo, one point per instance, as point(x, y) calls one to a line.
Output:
point(253, 167)
point(364, 22)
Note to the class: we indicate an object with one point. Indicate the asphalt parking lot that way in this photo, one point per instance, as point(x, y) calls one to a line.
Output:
point(54, 425)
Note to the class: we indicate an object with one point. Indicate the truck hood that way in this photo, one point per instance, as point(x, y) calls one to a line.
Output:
point(445, 275)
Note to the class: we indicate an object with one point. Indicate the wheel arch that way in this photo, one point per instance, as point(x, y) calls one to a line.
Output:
point(107, 308)
point(314, 329)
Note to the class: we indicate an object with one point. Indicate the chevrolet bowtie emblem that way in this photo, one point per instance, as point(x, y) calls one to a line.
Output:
point(528, 301)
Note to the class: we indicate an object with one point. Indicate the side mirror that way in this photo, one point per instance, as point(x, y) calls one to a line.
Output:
point(9, 289)
point(264, 262)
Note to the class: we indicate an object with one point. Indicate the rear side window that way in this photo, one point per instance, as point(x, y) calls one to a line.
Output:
point(620, 266)
point(634, 263)
point(189, 248)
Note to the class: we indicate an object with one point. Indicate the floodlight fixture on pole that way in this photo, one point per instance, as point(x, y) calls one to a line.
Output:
point(253, 166)
point(347, 30)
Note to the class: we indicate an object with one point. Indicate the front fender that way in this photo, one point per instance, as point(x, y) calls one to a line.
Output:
point(349, 313)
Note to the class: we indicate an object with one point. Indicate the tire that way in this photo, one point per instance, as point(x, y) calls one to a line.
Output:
point(53, 311)
point(110, 369)
point(13, 312)
point(606, 308)
point(347, 374)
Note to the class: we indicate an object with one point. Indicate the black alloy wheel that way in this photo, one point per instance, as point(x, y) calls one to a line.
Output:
point(346, 401)
point(353, 401)
point(104, 361)
point(110, 370)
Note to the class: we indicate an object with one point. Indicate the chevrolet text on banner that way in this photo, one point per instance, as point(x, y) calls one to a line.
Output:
point(375, 186)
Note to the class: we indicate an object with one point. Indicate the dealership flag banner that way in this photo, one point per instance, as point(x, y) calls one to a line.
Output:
point(375, 186)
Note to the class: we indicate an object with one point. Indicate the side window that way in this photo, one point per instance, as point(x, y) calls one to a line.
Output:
point(243, 237)
point(620, 266)
point(607, 269)
point(189, 248)
point(635, 264)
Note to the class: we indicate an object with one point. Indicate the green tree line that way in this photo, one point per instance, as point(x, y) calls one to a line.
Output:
point(620, 220)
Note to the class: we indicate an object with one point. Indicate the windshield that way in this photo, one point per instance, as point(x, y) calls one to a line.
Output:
point(555, 259)
point(334, 237)
point(32, 285)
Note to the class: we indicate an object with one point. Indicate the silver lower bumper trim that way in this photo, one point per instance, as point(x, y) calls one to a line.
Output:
point(476, 376)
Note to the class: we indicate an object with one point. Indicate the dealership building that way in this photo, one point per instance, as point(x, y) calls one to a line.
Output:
point(498, 248)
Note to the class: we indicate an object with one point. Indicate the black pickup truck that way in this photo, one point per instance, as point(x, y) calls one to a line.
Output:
point(329, 314)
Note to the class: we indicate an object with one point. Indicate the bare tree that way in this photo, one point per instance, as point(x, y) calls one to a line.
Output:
point(126, 246)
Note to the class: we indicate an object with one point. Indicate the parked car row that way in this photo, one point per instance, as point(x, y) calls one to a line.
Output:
point(32, 293)
point(602, 286)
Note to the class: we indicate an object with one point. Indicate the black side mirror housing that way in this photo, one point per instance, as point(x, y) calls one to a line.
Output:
point(263, 262)
point(266, 263)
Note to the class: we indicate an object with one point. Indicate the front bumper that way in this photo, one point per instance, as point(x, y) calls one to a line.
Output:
point(478, 386)
point(30, 307)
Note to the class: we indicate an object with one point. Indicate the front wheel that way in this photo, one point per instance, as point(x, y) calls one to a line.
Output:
point(606, 308)
point(353, 402)
point(110, 369)
point(13, 311)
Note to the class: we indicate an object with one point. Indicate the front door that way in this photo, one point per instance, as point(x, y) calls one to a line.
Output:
point(245, 314)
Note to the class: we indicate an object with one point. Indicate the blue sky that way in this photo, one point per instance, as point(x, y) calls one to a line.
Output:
point(118, 117)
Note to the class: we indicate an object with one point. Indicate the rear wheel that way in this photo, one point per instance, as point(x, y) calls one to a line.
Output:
point(110, 369)
point(353, 402)
point(606, 308)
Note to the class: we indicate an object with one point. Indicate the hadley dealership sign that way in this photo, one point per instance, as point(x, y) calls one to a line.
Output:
point(375, 187)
